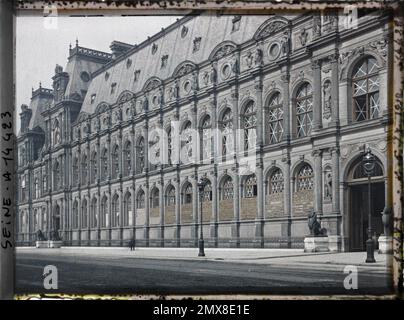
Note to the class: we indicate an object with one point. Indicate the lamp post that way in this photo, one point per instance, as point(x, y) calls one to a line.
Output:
point(368, 162)
point(201, 243)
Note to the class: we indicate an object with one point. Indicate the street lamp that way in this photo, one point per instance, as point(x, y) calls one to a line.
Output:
point(201, 243)
point(368, 162)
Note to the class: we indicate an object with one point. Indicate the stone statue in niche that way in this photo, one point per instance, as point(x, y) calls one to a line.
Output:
point(327, 99)
point(285, 43)
point(303, 37)
point(160, 96)
point(194, 81)
point(249, 59)
point(213, 75)
point(97, 124)
point(206, 78)
point(258, 57)
point(145, 104)
point(234, 65)
point(139, 107)
point(328, 186)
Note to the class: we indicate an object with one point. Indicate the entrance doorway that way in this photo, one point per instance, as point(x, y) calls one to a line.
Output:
point(56, 220)
point(358, 206)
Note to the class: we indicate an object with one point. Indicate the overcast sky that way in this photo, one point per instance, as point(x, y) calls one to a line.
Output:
point(39, 48)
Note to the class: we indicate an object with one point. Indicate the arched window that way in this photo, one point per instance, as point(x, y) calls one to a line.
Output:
point(115, 162)
point(140, 200)
point(94, 167)
point(187, 194)
point(206, 138)
point(250, 187)
point(170, 196)
point(227, 189)
point(44, 183)
point(94, 213)
point(104, 165)
point(36, 219)
point(56, 176)
point(275, 119)
point(186, 142)
point(84, 169)
point(304, 110)
point(207, 191)
point(227, 132)
point(75, 171)
point(305, 178)
point(127, 218)
point(249, 122)
point(155, 198)
point(104, 212)
point(115, 211)
point(140, 153)
point(365, 90)
point(128, 158)
point(84, 214)
point(276, 183)
point(75, 215)
point(359, 171)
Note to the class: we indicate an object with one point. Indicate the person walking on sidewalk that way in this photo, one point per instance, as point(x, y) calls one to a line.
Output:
point(132, 244)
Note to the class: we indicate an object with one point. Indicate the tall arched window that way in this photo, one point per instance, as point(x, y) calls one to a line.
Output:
point(36, 189)
point(304, 110)
point(206, 138)
point(227, 132)
point(170, 196)
point(84, 169)
point(207, 191)
point(140, 153)
point(186, 142)
point(75, 214)
point(127, 217)
point(275, 119)
point(250, 187)
point(249, 122)
point(84, 214)
point(44, 183)
point(115, 211)
point(94, 167)
point(104, 212)
point(276, 183)
point(365, 90)
point(169, 146)
point(155, 198)
point(75, 171)
point(140, 200)
point(115, 162)
point(104, 165)
point(304, 179)
point(94, 213)
point(127, 153)
point(187, 194)
point(227, 189)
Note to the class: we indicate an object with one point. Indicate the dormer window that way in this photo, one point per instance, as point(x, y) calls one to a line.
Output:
point(113, 87)
point(136, 75)
point(92, 98)
point(164, 60)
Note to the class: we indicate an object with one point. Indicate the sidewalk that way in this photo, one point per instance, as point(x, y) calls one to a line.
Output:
point(290, 257)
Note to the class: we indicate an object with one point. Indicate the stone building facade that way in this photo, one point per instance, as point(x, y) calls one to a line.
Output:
point(274, 111)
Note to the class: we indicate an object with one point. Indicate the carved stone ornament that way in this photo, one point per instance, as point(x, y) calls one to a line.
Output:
point(327, 103)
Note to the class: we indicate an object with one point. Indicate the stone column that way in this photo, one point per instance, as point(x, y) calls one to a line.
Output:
point(318, 186)
point(236, 209)
point(286, 106)
point(315, 64)
point(121, 214)
point(162, 212)
point(195, 208)
point(178, 211)
point(287, 197)
point(334, 90)
point(80, 216)
point(133, 206)
point(147, 213)
point(214, 218)
point(234, 98)
point(259, 223)
point(108, 175)
point(146, 147)
point(260, 111)
point(120, 157)
point(335, 180)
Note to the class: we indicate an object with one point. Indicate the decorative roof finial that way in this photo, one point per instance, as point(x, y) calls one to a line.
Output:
point(40, 84)
point(77, 42)
point(70, 46)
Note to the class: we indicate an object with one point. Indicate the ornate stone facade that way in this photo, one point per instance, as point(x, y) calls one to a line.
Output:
point(305, 94)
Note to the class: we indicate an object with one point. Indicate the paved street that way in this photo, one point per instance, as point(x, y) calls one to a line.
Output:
point(173, 270)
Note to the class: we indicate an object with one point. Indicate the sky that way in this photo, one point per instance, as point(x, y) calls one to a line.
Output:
point(41, 43)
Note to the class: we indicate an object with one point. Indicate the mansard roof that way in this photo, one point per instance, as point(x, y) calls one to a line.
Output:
point(175, 45)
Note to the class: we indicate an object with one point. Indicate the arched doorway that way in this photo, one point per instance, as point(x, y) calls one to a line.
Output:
point(56, 219)
point(358, 205)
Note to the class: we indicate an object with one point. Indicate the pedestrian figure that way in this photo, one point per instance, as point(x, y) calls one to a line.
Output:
point(132, 244)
